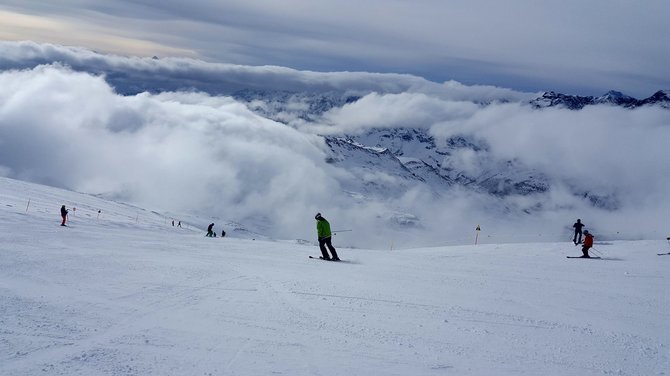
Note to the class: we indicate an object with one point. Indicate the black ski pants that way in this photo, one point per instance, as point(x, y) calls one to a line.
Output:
point(323, 242)
point(577, 240)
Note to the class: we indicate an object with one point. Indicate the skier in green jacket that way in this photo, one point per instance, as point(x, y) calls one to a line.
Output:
point(323, 231)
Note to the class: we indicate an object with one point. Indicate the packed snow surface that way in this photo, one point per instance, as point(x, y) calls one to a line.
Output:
point(126, 293)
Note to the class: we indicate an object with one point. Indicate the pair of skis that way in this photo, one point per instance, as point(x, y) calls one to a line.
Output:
point(323, 259)
point(596, 257)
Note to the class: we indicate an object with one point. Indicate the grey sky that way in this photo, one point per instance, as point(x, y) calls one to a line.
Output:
point(573, 46)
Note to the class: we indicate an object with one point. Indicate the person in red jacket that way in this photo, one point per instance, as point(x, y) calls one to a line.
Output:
point(588, 243)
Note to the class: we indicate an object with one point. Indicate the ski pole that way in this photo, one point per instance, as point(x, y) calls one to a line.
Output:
point(597, 252)
point(336, 231)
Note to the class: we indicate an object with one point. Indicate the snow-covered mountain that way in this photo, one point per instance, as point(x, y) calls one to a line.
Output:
point(661, 97)
point(374, 172)
point(416, 145)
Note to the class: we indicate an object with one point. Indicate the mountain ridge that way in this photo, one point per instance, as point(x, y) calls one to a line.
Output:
point(612, 97)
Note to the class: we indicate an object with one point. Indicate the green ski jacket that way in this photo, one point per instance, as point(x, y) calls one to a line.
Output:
point(323, 228)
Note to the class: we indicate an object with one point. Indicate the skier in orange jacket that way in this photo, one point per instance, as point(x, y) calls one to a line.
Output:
point(588, 243)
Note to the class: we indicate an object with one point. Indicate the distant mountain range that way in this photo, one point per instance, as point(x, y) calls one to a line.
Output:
point(615, 98)
point(275, 103)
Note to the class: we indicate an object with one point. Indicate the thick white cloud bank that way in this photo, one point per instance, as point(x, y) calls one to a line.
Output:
point(178, 151)
point(571, 45)
point(189, 151)
point(133, 74)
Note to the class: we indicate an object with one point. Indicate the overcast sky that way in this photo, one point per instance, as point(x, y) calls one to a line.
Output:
point(572, 46)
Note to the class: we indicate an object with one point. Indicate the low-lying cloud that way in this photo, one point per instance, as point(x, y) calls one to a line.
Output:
point(194, 152)
point(132, 75)
point(177, 151)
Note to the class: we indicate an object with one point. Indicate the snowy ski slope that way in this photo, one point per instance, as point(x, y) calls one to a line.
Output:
point(125, 293)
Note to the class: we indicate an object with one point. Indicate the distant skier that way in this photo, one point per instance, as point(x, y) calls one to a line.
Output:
point(323, 231)
point(578, 232)
point(173, 223)
point(179, 224)
point(223, 233)
point(210, 233)
point(63, 214)
point(588, 243)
